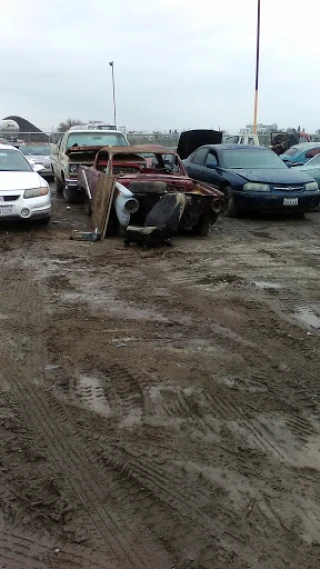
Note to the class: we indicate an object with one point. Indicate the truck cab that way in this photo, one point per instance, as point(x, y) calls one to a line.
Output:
point(77, 147)
point(251, 139)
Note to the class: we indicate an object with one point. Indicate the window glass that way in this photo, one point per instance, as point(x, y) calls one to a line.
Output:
point(199, 156)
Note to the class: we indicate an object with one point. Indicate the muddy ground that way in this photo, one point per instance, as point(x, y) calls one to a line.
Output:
point(160, 409)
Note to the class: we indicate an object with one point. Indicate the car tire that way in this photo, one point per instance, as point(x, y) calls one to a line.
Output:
point(122, 231)
point(298, 214)
point(229, 209)
point(59, 186)
point(71, 195)
point(43, 222)
point(203, 226)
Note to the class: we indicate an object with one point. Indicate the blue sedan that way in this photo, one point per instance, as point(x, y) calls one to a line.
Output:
point(300, 153)
point(253, 178)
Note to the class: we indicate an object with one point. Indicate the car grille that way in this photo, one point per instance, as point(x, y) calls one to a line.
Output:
point(287, 188)
point(10, 198)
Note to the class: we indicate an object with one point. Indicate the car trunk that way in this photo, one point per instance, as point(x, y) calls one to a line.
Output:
point(190, 140)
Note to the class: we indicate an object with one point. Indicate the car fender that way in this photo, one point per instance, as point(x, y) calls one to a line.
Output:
point(122, 196)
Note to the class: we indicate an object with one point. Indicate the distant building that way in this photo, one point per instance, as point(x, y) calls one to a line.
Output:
point(261, 128)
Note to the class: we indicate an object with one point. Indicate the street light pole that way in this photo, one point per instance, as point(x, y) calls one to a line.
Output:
point(255, 115)
point(111, 63)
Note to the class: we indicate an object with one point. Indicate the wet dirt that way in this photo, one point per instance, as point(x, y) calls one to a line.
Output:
point(160, 409)
point(308, 316)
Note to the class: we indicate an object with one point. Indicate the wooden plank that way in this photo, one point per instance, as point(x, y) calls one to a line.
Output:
point(102, 203)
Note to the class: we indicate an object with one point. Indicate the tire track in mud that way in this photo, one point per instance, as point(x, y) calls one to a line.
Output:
point(52, 423)
point(30, 553)
point(259, 434)
point(156, 481)
point(63, 443)
point(262, 437)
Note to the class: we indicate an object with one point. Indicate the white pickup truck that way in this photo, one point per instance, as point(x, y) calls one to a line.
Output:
point(79, 147)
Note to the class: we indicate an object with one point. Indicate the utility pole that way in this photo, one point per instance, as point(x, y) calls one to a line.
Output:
point(111, 63)
point(256, 91)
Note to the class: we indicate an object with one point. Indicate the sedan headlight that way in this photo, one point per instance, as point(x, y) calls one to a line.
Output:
point(311, 186)
point(36, 193)
point(73, 168)
point(256, 187)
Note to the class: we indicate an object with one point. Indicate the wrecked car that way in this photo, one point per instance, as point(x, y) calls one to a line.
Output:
point(144, 175)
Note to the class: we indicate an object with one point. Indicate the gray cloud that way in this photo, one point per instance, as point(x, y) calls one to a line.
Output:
point(177, 64)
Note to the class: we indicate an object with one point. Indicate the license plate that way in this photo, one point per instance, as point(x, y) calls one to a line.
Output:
point(5, 210)
point(290, 201)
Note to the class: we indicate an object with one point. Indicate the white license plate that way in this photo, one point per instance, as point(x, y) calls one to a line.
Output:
point(5, 210)
point(290, 201)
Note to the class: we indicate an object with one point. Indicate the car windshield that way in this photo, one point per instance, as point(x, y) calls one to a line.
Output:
point(12, 160)
point(314, 161)
point(96, 138)
point(251, 159)
point(35, 149)
point(233, 139)
point(293, 151)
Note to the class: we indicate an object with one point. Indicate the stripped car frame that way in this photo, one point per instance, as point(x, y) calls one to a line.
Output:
point(143, 175)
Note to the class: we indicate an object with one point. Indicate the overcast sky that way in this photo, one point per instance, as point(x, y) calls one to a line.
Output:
point(178, 63)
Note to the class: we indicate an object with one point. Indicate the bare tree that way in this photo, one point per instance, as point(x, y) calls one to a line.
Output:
point(65, 125)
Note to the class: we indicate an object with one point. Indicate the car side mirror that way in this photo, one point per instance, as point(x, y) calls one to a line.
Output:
point(212, 165)
point(37, 167)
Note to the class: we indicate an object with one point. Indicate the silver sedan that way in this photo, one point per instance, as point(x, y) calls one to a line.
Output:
point(24, 194)
point(38, 153)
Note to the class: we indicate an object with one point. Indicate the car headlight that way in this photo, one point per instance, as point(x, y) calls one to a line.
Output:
point(73, 168)
point(311, 186)
point(256, 187)
point(36, 192)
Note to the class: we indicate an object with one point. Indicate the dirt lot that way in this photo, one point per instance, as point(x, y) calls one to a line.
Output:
point(160, 409)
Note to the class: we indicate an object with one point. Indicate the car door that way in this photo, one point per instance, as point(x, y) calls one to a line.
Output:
point(196, 164)
point(211, 173)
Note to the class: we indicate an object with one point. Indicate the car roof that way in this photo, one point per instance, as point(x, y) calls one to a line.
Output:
point(305, 145)
point(95, 131)
point(227, 146)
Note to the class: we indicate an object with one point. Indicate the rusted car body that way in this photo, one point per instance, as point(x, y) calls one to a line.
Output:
point(144, 174)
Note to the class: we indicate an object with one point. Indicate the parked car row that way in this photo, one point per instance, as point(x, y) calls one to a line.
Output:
point(234, 177)
point(253, 178)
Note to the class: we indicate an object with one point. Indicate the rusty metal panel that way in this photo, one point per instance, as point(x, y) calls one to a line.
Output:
point(102, 203)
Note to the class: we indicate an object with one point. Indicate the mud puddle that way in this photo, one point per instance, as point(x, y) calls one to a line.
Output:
point(310, 317)
point(265, 285)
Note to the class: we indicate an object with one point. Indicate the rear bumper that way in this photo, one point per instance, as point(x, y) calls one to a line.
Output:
point(269, 202)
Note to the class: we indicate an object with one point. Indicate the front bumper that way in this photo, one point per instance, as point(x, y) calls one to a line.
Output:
point(274, 201)
point(72, 183)
point(38, 208)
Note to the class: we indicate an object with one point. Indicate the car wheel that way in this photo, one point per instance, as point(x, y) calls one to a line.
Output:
point(229, 209)
point(71, 195)
point(122, 231)
point(43, 222)
point(203, 226)
point(59, 186)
